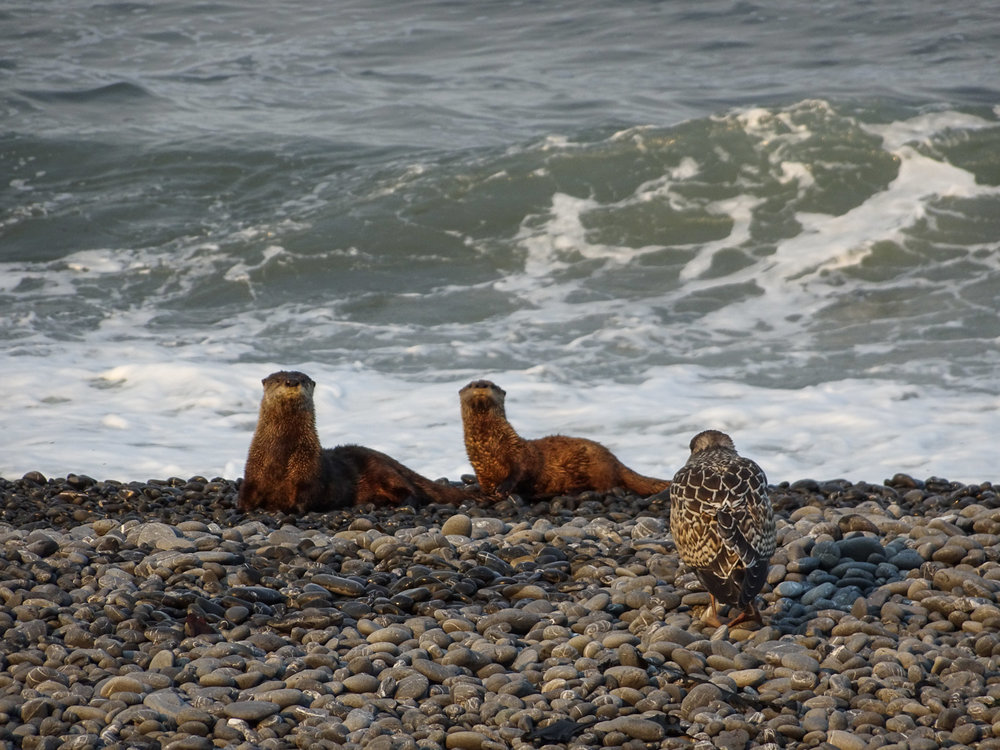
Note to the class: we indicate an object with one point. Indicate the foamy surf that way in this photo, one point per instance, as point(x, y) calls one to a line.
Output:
point(175, 418)
point(819, 284)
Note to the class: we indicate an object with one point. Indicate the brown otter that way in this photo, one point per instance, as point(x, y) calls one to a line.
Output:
point(288, 471)
point(554, 465)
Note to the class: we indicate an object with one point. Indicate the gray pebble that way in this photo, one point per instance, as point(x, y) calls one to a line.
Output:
point(167, 702)
point(634, 727)
point(860, 547)
point(907, 559)
point(822, 591)
point(844, 740)
point(251, 710)
point(339, 585)
point(791, 589)
point(699, 696)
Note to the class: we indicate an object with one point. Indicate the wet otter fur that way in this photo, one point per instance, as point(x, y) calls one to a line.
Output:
point(287, 469)
point(505, 462)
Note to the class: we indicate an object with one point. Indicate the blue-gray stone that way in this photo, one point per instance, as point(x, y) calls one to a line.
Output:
point(792, 589)
point(858, 582)
point(888, 571)
point(895, 546)
point(820, 576)
point(860, 547)
point(166, 702)
point(846, 597)
point(854, 567)
point(827, 553)
point(802, 565)
point(796, 610)
point(258, 594)
point(823, 591)
point(908, 559)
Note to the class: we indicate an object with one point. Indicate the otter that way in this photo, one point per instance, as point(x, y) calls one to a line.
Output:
point(505, 462)
point(287, 469)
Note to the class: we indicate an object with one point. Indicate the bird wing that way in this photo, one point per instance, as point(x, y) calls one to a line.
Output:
point(693, 499)
point(744, 515)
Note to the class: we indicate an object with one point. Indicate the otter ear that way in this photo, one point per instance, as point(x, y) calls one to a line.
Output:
point(263, 381)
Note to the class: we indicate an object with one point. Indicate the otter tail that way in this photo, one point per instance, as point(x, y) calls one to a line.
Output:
point(432, 491)
point(382, 480)
point(441, 492)
point(642, 485)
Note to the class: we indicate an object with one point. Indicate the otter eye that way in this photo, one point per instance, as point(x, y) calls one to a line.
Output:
point(292, 383)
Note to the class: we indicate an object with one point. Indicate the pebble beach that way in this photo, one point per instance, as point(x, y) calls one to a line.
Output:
point(157, 615)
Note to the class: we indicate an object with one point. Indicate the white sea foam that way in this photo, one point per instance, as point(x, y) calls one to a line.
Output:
point(175, 417)
point(922, 128)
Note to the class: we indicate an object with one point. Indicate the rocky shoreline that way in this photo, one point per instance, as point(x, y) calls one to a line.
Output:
point(155, 614)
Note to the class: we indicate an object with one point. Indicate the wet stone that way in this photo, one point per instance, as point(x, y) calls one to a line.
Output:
point(466, 740)
point(907, 559)
point(339, 585)
point(822, 591)
point(166, 702)
point(803, 565)
point(791, 589)
point(860, 547)
point(634, 727)
point(844, 740)
point(459, 524)
point(252, 711)
point(699, 696)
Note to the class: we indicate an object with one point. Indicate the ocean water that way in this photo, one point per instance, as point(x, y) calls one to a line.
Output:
point(640, 219)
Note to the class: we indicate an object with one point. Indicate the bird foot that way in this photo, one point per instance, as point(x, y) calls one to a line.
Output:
point(751, 613)
point(711, 618)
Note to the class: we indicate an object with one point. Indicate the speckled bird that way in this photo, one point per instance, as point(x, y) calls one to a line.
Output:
point(722, 523)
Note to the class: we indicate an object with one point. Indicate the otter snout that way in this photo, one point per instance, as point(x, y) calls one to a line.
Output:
point(288, 379)
point(483, 385)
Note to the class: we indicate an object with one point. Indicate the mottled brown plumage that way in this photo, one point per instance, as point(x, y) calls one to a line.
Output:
point(722, 522)
point(505, 462)
point(287, 469)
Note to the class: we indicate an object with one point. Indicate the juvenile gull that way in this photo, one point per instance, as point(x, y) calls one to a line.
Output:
point(722, 523)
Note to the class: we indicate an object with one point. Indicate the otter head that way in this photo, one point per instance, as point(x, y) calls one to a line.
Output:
point(483, 395)
point(710, 439)
point(289, 388)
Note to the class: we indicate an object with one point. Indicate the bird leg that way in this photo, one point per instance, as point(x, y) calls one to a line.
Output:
point(713, 613)
point(750, 613)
